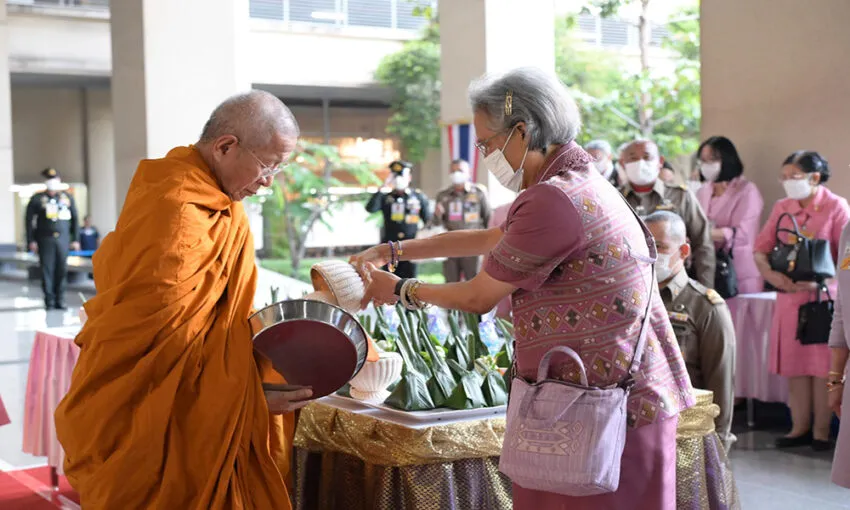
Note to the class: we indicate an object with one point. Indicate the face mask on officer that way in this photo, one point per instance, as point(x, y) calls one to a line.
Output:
point(458, 177)
point(668, 264)
point(643, 172)
point(401, 182)
point(54, 184)
point(604, 166)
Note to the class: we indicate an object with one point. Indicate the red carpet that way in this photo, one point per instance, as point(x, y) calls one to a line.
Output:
point(29, 489)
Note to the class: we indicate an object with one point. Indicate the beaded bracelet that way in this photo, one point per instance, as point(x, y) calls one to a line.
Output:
point(393, 264)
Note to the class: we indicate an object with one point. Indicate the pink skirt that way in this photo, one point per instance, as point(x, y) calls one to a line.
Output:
point(4, 416)
point(647, 477)
point(788, 357)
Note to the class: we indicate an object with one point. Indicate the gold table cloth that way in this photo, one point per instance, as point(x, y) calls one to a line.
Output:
point(351, 461)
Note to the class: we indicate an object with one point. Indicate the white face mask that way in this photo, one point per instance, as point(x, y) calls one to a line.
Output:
point(53, 184)
point(642, 172)
point(710, 170)
point(401, 183)
point(605, 167)
point(497, 165)
point(798, 189)
point(663, 270)
point(458, 178)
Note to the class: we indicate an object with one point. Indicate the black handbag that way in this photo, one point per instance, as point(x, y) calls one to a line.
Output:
point(806, 260)
point(814, 320)
point(725, 277)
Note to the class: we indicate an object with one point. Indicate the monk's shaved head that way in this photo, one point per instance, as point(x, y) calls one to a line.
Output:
point(255, 118)
point(248, 139)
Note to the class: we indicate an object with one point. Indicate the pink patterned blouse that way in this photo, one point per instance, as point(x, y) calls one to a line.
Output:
point(567, 247)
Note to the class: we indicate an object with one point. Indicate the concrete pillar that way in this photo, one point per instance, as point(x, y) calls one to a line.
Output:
point(100, 158)
point(485, 36)
point(173, 62)
point(772, 92)
point(8, 223)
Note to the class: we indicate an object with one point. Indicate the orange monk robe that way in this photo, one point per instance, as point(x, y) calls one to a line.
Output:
point(166, 409)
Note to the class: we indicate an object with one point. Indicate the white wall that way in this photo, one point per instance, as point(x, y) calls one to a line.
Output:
point(61, 44)
point(320, 57)
point(47, 130)
point(52, 41)
point(773, 91)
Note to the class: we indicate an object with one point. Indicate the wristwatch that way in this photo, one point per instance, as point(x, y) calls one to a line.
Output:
point(399, 284)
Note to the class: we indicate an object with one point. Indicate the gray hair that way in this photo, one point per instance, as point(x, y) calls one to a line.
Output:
point(621, 148)
point(599, 145)
point(641, 140)
point(253, 117)
point(462, 163)
point(537, 98)
point(673, 223)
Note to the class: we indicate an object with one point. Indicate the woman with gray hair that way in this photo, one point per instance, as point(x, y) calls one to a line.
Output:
point(576, 261)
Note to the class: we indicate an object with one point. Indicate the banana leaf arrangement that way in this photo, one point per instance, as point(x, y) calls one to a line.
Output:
point(457, 373)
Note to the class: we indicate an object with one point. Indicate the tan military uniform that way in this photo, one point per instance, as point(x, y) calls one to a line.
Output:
point(466, 209)
point(679, 200)
point(706, 336)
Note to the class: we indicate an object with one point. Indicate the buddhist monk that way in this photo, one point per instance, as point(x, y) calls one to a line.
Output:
point(166, 408)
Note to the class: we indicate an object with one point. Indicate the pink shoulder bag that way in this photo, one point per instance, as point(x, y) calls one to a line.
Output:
point(568, 438)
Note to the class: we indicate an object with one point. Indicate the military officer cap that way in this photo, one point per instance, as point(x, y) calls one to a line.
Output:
point(400, 167)
point(49, 173)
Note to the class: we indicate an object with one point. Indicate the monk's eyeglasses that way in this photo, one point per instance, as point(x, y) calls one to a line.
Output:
point(266, 171)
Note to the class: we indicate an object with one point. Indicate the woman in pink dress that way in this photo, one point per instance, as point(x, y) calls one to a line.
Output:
point(733, 205)
point(569, 256)
point(838, 391)
point(821, 214)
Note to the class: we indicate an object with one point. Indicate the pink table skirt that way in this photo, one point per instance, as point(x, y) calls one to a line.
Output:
point(52, 361)
point(753, 317)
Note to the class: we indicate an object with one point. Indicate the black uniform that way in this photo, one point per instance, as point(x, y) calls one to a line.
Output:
point(403, 212)
point(52, 223)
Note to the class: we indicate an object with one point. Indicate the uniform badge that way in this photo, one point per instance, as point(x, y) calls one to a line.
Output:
point(397, 212)
point(455, 210)
point(64, 200)
point(666, 205)
point(714, 297)
point(679, 317)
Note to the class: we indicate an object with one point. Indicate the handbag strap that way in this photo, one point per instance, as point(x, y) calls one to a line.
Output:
point(543, 367)
point(644, 327)
point(732, 245)
point(796, 230)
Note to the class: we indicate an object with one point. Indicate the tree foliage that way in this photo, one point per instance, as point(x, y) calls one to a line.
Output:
point(413, 74)
point(616, 106)
point(301, 197)
point(620, 107)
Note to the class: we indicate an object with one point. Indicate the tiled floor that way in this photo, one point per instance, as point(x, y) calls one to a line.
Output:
point(766, 478)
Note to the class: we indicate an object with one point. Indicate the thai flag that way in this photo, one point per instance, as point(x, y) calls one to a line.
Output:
point(462, 146)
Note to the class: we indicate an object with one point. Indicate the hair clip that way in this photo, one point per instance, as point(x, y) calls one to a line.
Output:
point(509, 103)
